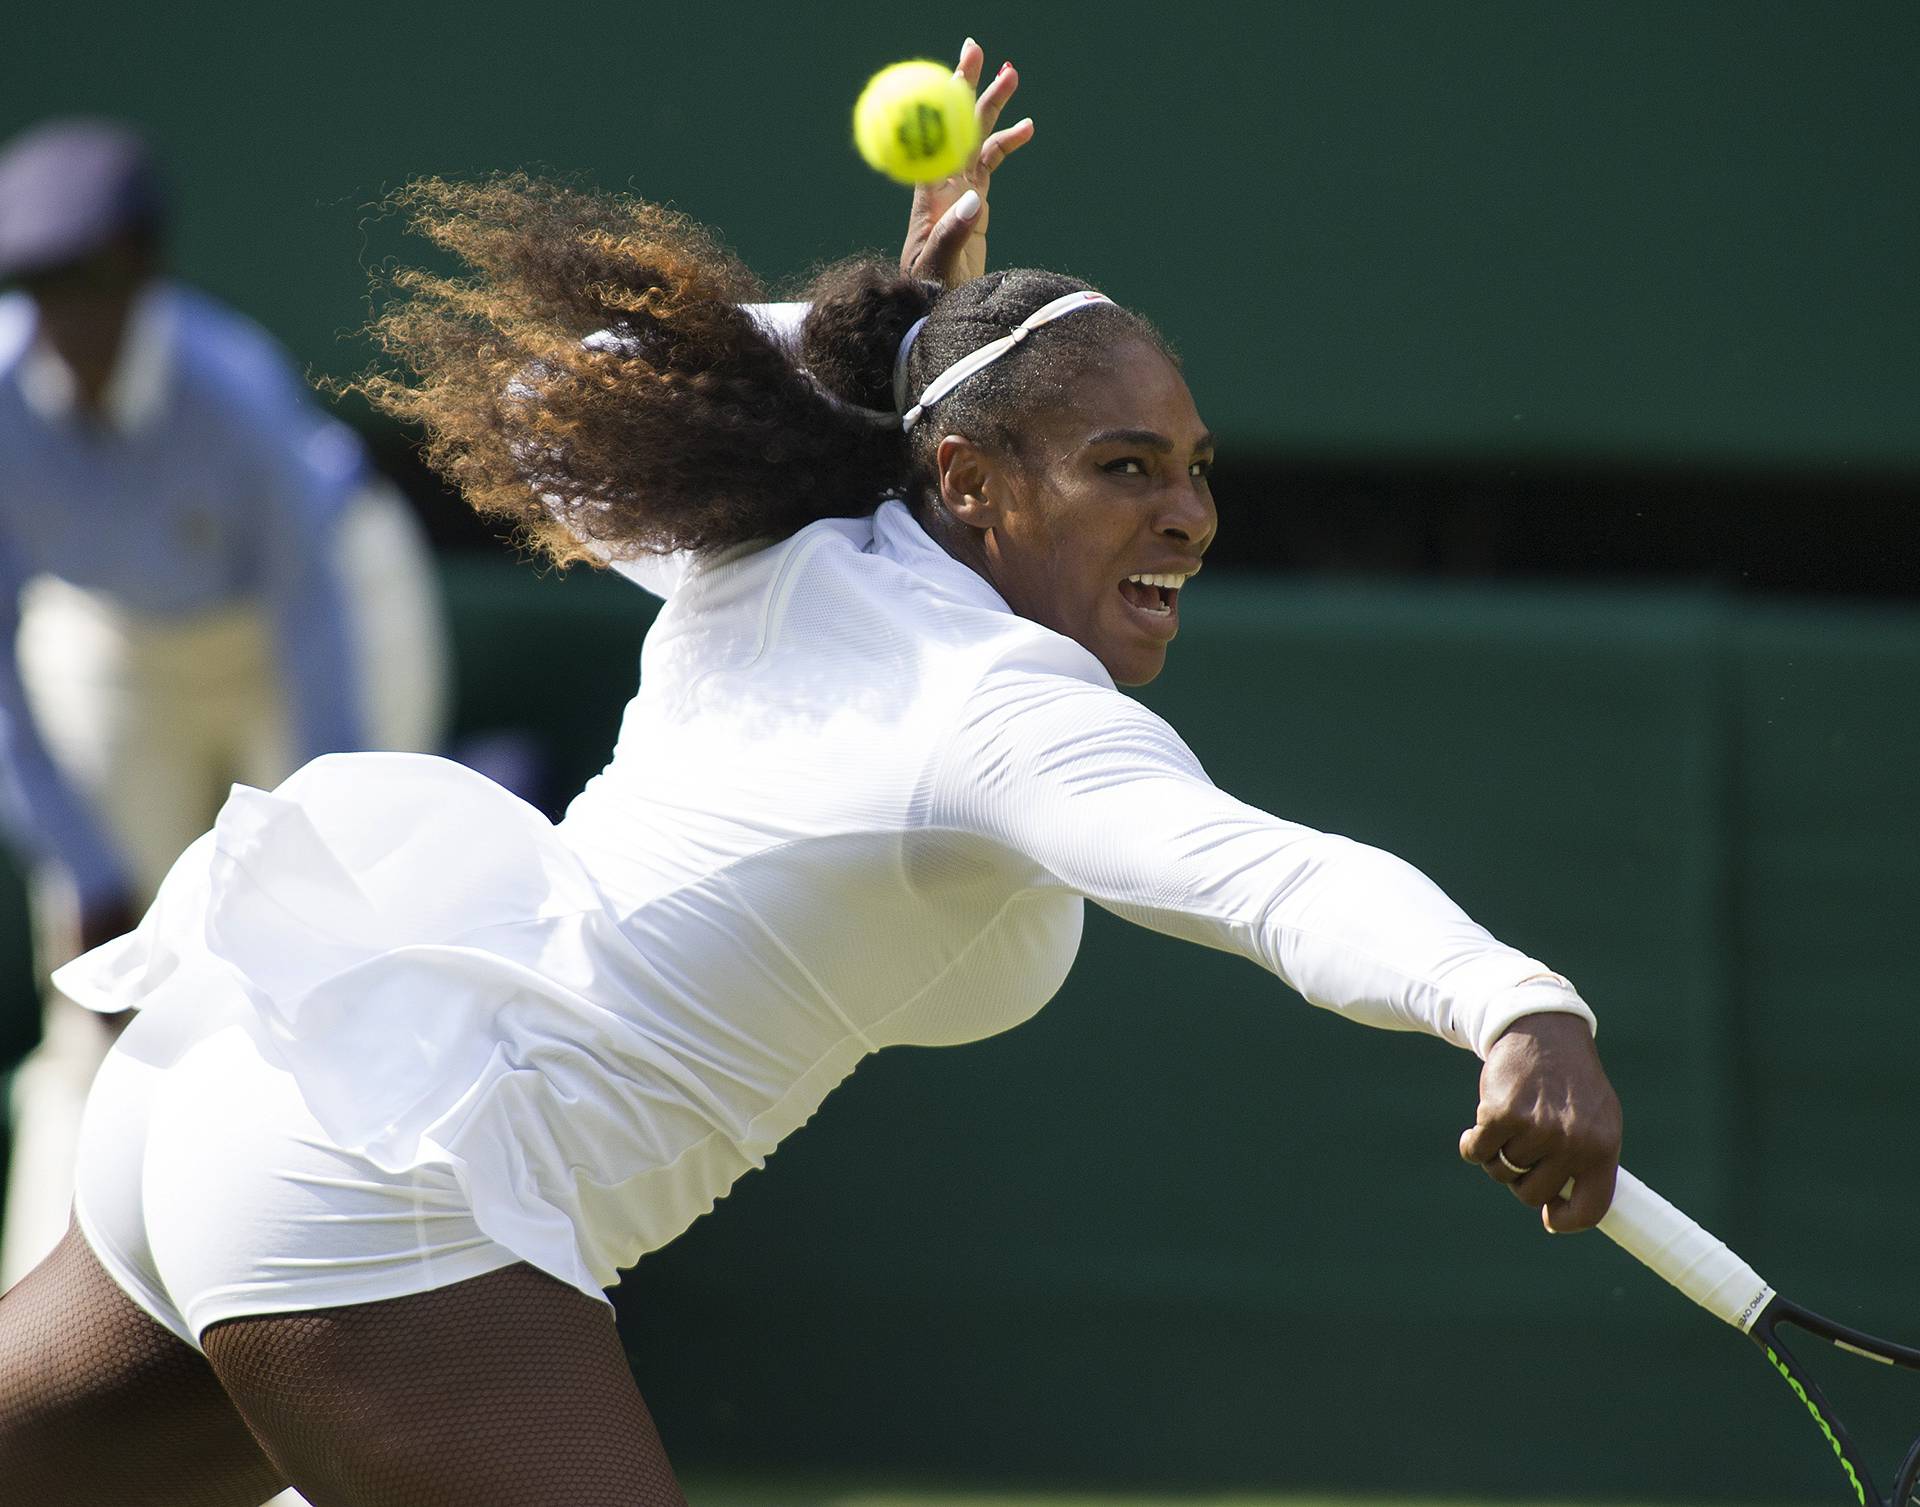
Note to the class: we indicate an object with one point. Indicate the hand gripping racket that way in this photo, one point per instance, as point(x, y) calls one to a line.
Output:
point(1653, 1231)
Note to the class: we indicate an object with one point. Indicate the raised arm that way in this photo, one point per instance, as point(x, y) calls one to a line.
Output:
point(947, 221)
point(946, 242)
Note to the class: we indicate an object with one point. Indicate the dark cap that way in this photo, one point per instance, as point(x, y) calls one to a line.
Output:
point(67, 188)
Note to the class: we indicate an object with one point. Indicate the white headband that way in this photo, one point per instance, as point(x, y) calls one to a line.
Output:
point(978, 360)
point(900, 363)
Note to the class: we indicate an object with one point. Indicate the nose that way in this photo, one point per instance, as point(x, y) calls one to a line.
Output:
point(1189, 516)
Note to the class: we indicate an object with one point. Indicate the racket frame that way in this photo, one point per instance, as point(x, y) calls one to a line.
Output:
point(1766, 1334)
point(1676, 1248)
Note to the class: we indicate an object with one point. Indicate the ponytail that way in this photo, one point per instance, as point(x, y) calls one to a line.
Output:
point(594, 381)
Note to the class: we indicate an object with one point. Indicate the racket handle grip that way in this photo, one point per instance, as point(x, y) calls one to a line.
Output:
point(1673, 1246)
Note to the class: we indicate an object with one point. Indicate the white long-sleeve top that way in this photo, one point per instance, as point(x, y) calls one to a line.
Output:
point(857, 801)
point(860, 735)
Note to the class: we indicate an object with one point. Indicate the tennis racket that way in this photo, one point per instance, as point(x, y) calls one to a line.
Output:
point(1653, 1231)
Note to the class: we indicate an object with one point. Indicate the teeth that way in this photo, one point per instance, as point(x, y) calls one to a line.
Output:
point(1171, 583)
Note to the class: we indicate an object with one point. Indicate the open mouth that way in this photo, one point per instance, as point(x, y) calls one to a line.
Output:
point(1153, 596)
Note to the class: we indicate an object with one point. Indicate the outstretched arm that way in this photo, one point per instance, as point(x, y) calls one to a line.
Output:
point(1105, 797)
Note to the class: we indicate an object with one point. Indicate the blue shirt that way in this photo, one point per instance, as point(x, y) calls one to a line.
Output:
point(210, 479)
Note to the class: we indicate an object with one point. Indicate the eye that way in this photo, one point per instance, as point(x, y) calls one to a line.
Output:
point(1126, 466)
point(1201, 469)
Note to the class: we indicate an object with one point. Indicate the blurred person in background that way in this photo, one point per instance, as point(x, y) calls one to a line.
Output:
point(201, 581)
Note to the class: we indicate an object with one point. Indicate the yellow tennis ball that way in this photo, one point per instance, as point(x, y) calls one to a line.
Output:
point(914, 122)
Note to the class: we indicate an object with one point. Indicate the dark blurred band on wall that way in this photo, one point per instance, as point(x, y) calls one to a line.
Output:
point(1617, 287)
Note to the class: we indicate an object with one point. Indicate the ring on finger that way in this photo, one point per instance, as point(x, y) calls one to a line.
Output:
point(1516, 1171)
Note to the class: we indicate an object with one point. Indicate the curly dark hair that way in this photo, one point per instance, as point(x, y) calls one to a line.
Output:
point(596, 380)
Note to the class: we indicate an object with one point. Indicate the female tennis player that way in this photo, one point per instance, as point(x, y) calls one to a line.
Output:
point(416, 1072)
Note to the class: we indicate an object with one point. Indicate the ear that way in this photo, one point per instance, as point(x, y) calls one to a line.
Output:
point(971, 484)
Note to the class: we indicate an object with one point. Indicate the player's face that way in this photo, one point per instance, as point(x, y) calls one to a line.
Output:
point(1113, 486)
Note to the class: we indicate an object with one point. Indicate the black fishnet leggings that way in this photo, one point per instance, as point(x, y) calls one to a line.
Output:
point(507, 1390)
point(100, 1405)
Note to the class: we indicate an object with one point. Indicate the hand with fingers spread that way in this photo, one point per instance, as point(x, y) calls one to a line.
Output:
point(947, 225)
point(1548, 1117)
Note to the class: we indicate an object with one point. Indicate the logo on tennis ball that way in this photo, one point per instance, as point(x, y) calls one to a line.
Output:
point(922, 133)
point(914, 122)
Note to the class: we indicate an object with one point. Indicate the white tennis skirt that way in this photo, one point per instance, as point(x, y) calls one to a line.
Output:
point(391, 1034)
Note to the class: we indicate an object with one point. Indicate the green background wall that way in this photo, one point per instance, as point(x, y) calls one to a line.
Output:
point(1633, 228)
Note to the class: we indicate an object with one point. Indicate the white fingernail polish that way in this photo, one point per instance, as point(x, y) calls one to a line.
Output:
point(967, 205)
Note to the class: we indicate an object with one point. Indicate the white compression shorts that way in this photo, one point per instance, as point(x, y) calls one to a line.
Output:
point(208, 1192)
